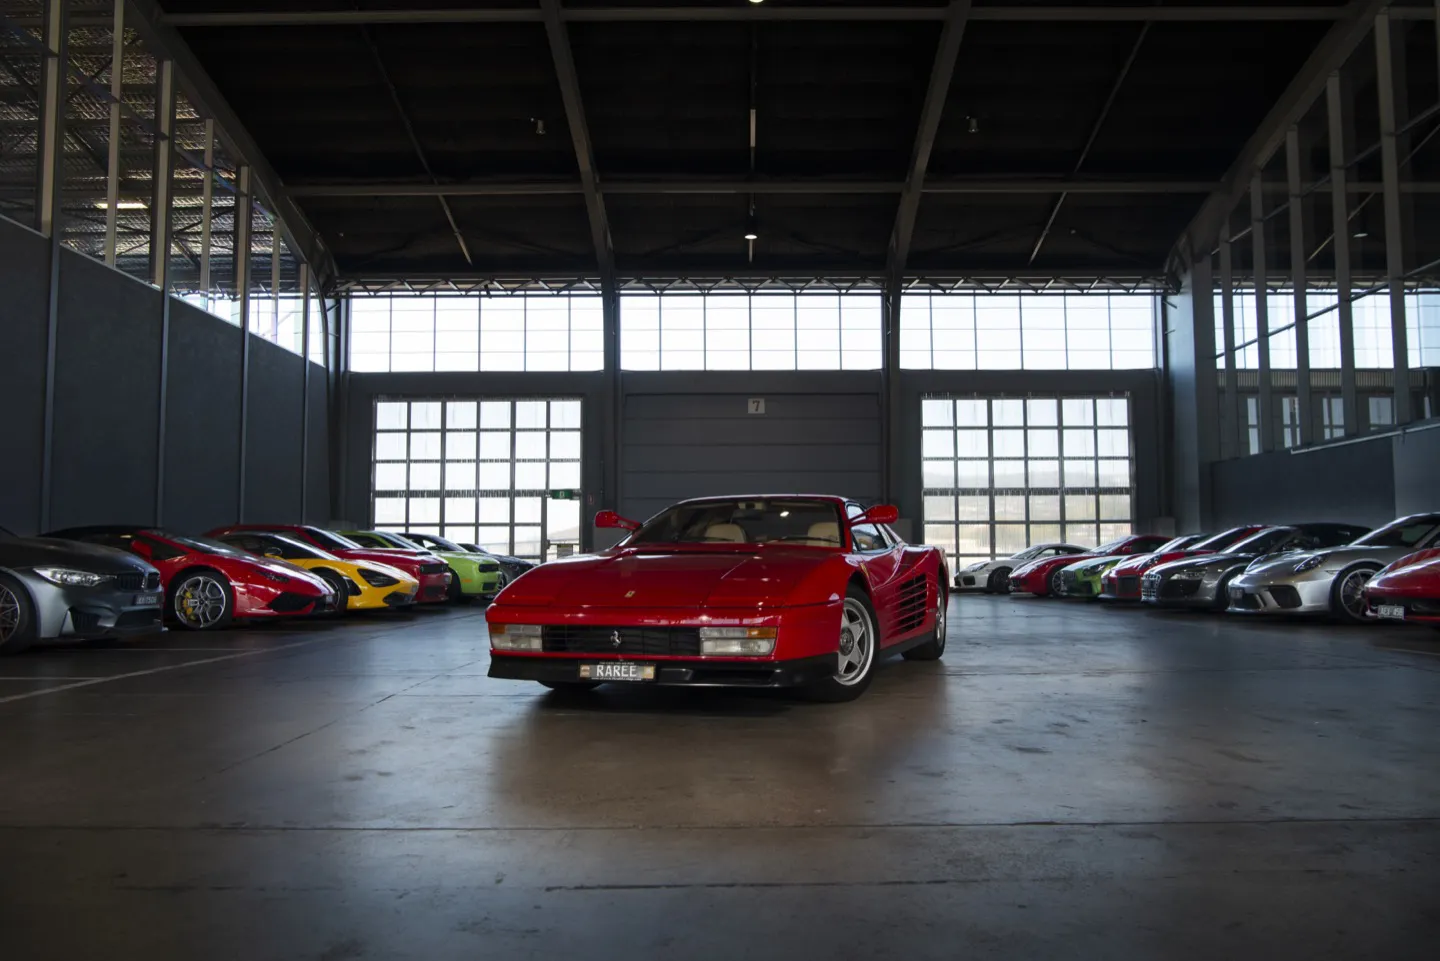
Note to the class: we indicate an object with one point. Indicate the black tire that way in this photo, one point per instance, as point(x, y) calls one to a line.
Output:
point(570, 687)
point(1054, 586)
point(453, 591)
point(1356, 575)
point(999, 582)
point(1222, 591)
point(336, 580)
point(197, 579)
point(18, 624)
point(933, 649)
point(859, 626)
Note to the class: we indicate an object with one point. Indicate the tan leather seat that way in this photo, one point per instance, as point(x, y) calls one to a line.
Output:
point(824, 534)
point(732, 533)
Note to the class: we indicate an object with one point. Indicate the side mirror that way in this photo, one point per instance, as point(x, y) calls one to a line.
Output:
point(614, 520)
point(879, 514)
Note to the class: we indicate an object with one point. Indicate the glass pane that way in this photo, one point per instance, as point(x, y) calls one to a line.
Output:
point(425, 446)
point(1044, 473)
point(1114, 473)
point(939, 507)
point(1042, 412)
point(460, 446)
point(530, 414)
point(1110, 532)
point(1078, 411)
point(495, 414)
point(972, 443)
point(425, 416)
point(527, 510)
point(494, 477)
point(495, 445)
point(493, 539)
point(529, 445)
point(527, 542)
point(565, 445)
point(459, 510)
point(390, 510)
point(1009, 473)
point(460, 415)
point(937, 413)
point(1085, 535)
point(1044, 533)
point(972, 413)
point(1008, 413)
point(941, 536)
point(1079, 473)
point(390, 446)
point(391, 416)
point(530, 476)
point(562, 522)
point(973, 538)
point(1009, 443)
point(1043, 443)
point(494, 510)
point(1009, 507)
point(389, 477)
point(1112, 411)
point(1080, 507)
point(1114, 507)
point(1045, 507)
point(565, 413)
point(1010, 539)
point(972, 474)
point(424, 510)
point(1113, 443)
point(460, 477)
point(564, 475)
point(424, 477)
point(938, 474)
point(1080, 443)
point(972, 507)
point(460, 535)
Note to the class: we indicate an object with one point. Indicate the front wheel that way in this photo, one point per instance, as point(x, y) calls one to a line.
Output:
point(341, 589)
point(934, 648)
point(202, 600)
point(999, 582)
point(454, 591)
point(858, 645)
point(1057, 585)
point(1347, 594)
point(1222, 592)
point(17, 617)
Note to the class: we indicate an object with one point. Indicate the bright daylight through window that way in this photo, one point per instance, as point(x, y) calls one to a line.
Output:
point(1001, 474)
point(1374, 348)
point(481, 471)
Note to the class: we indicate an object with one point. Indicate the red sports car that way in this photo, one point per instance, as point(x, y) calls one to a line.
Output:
point(208, 584)
point(1042, 577)
point(1122, 582)
point(432, 573)
point(1407, 590)
point(784, 590)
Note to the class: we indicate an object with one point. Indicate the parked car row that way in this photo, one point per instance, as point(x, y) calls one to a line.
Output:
point(117, 580)
point(1344, 571)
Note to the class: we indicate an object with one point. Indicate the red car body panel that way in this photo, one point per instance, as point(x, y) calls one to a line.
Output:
point(1034, 577)
point(434, 583)
point(1413, 582)
point(798, 589)
point(1122, 582)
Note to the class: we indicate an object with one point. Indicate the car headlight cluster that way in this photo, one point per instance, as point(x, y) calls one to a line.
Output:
point(742, 641)
point(976, 567)
point(516, 637)
point(66, 577)
point(277, 578)
point(377, 579)
point(1309, 564)
point(1189, 574)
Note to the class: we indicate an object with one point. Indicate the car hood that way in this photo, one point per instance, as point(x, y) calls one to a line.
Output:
point(1147, 561)
point(1419, 576)
point(1204, 562)
point(1334, 558)
point(54, 552)
point(405, 560)
point(680, 579)
point(1105, 562)
point(1049, 563)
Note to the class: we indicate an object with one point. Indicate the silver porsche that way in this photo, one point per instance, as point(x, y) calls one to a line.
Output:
point(52, 588)
point(1203, 582)
point(1330, 581)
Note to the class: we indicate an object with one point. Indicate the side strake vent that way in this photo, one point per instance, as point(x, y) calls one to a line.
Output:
point(910, 610)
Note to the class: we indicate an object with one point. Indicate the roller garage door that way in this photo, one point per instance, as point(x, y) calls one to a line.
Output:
point(696, 445)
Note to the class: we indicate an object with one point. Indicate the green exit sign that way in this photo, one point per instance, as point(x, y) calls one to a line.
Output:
point(564, 495)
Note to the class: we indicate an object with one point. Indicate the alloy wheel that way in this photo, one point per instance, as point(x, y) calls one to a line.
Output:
point(857, 643)
point(9, 614)
point(1352, 596)
point(1057, 585)
point(200, 601)
point(940, 611)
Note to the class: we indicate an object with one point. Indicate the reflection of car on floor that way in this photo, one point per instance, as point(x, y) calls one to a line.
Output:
point(1204, 581)
point(208, 584)
point(364, 585)
point(432, 573)
point(510, 567)
point(470, 576)
point(1122, 582)
point(993, 577)
point(1330, 581)
point(805, 591)
point(1042, 577)
point(1407, 590)
point(53, 588)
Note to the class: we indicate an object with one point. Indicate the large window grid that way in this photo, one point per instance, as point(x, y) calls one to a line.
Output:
point(480, 470)
point(1027, 331)
point(1001, 474)
point(1374, 347)
point(743, 331)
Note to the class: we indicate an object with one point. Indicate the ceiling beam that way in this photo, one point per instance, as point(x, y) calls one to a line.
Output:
point(778, 186)
point(750, 13)
point(1339, 42)
point(564, 58)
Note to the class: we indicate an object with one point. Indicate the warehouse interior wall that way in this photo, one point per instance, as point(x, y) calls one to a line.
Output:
point(106, 430)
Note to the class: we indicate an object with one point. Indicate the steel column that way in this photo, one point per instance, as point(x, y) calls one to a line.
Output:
point(1262, 316)
point(1298, 260)
point(305, 392)
point(208, 193)
point(48, 215)
point(1394, 224)
point(1340, 225)
point(242, 292)
point(1231, 440)
point(275, 281)
point(117, 92)
point(160, 228)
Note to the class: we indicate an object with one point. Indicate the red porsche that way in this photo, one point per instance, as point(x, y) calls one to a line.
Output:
point(1122, 582)
point(1042, 577)
point(1407, 590)
point(786, 590)
point(432, 573)
point(208, 584)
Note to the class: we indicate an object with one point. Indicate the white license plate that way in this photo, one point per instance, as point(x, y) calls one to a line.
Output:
point(147, 600)
point(617, 671)
point(1392, 612)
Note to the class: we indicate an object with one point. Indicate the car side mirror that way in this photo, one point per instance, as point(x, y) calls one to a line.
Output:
point(879, 514)
point(610, 519)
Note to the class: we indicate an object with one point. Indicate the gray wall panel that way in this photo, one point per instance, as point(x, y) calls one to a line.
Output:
point(202, 450)
point(106, 396)
point(272, 457)
point(317, 478)
point(1349, 482)
point(23, 258)
point(1417, 471)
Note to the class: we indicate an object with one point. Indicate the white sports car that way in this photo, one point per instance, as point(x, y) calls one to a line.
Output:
point(993, 577)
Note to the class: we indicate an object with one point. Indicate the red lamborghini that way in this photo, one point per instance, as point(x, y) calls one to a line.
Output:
point(789, 590)
point(208, 584)
point(1042, 577)
point(1122, 582)
point(1407, 590)
point(432, 573)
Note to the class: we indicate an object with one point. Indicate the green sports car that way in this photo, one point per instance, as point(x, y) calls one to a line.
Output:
point(1082, 579)
point(474, 576)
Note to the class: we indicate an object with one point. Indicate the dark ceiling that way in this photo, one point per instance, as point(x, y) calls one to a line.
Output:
point(834, 100)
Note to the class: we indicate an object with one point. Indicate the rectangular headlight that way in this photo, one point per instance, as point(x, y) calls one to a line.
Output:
point(515, 637)
point(741, 641)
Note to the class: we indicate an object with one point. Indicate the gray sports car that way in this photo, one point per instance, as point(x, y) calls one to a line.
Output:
point(1330, 581)
point(1204, 581)
point(52, 588)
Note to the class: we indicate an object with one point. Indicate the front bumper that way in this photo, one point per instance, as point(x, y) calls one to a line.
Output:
point(1299, 594)
point(1179, 592)
point(1073, 585)
point(670, 672)
point(971, 580)
point(480, 584)
point(1030, 584)
point(1125, 587)
point(93, 612)
point(1418, 609)
point(434, 588)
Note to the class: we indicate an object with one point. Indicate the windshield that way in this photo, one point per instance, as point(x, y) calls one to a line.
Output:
point(802, 522)
point(402, 541)
point(331, 541)
point(1113, 547)
point(292, 550)
point(431, 540)
point(205, 545)
point(1028, 553)
point(1178, 544)
point(1221, 541)
point(1264, 542)
point(1409, 532)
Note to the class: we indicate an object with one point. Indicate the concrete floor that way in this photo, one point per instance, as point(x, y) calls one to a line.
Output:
point(1070, 782)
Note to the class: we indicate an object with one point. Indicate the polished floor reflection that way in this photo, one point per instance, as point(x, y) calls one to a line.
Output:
point(1070, 781)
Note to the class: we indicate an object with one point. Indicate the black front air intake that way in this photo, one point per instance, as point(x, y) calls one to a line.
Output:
point(630, 641)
